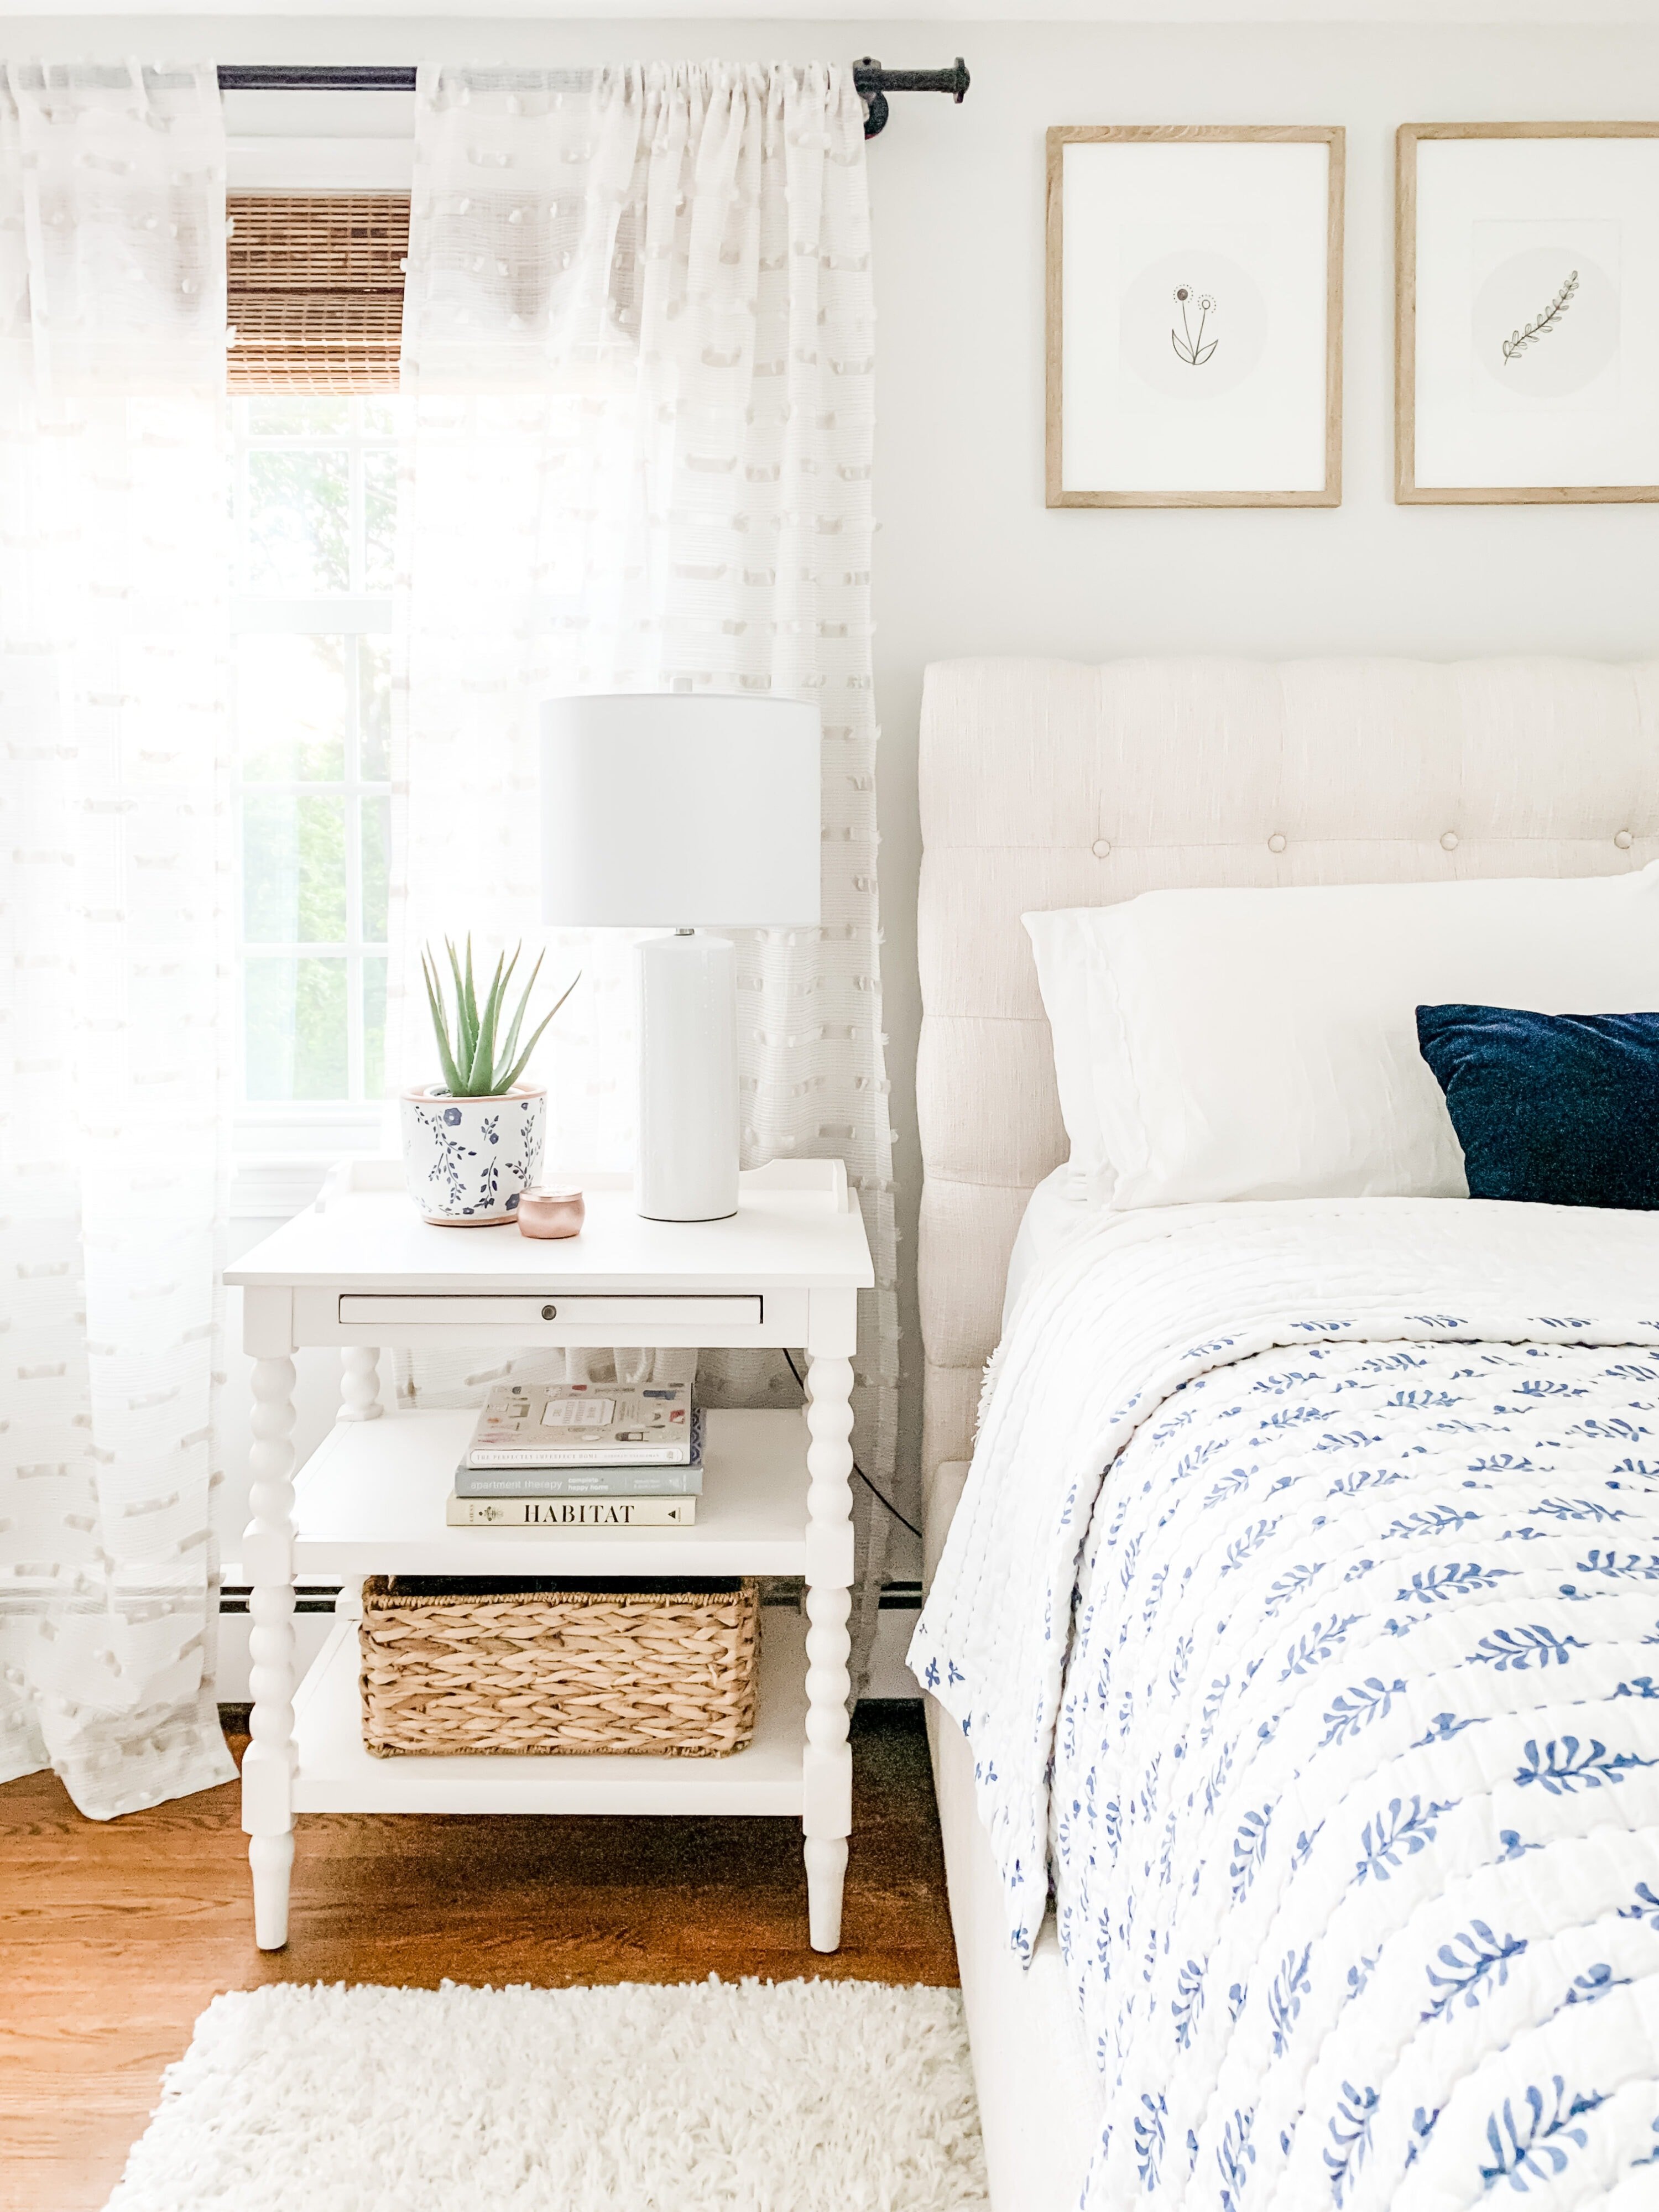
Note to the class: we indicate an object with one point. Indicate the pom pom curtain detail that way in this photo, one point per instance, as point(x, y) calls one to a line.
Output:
point(638, 335)
point(639, 350)
point(114, 1048)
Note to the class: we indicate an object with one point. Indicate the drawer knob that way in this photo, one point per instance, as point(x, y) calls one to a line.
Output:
point(550, 1313)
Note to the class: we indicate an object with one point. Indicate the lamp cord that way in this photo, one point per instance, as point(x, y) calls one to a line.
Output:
point(875, 1493)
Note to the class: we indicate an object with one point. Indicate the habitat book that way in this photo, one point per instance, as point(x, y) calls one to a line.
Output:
point(571, 1512)
point(584, 1425)
point(586, 1482)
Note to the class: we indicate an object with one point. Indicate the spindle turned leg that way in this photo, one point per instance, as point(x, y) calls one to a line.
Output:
point(827, 1796)
point(360, 1383)
point(268, 1558)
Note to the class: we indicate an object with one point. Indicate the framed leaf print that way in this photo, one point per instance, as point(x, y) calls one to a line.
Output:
point(1194, 316)
point(1527, 313)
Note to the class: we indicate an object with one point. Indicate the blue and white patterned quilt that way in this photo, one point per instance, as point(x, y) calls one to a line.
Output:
point(1303, 1611)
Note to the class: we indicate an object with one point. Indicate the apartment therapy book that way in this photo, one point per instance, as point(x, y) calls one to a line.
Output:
point(579, 1481)
point(581, 1425)
point(586, 1482)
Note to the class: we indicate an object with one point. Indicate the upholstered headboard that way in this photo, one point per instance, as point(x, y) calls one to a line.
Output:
point(1049, 783)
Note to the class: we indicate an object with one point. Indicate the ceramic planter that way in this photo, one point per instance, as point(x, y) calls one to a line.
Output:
point(468, 1161)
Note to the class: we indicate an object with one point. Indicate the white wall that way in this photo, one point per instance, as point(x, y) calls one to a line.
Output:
point(970, 561)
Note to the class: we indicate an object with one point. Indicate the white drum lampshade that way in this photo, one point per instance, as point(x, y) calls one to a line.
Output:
point(666, 810)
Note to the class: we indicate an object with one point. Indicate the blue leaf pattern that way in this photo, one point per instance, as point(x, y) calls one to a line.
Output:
point(1565, 1765)
point(1436, 1584)
point(1235, 2156)
point(1473, 1958)
point(1149, 2139)
point(1531, 2139)
point(1594, 1983)
point(1360, 1706)
point(1190, 2002)
point(1351, 2137)
point(1533, 1645)
point(1388, 1838)
point(1284, 2000)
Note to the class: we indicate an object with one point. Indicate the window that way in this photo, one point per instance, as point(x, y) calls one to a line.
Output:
point(315, 491)
point(315, 301)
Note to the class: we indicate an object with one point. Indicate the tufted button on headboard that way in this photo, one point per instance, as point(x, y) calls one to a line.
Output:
point(1053, 783)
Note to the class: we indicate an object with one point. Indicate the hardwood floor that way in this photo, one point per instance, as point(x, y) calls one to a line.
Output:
point(114, 1936)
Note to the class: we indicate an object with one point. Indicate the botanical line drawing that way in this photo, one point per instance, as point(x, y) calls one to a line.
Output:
point(1541, 326)
point(1188, 347)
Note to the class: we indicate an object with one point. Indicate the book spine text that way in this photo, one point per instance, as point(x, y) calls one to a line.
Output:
point(605, 1513)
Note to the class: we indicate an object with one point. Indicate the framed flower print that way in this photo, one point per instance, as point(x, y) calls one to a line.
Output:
point(1527, 313)
point(1194, 316)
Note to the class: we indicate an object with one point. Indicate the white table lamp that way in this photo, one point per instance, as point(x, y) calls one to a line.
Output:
point(668, 810)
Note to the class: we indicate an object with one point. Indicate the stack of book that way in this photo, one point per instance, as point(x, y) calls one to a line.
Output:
point(581, 1455)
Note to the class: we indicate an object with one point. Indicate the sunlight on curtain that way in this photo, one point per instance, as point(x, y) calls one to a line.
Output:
point(115, 852)
point(639, 329)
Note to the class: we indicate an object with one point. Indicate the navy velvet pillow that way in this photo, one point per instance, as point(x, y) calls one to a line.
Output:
point(1562, 1110)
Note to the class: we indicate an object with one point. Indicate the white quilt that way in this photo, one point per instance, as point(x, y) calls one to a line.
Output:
point(1335, 1727)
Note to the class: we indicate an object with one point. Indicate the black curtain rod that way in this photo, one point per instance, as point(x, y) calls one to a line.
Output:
point(874, 83)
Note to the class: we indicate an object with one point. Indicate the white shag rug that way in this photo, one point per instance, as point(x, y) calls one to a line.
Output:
point(748, 2097)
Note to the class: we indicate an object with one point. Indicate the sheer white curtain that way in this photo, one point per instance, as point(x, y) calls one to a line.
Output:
point(113, 932)
point(639, 330)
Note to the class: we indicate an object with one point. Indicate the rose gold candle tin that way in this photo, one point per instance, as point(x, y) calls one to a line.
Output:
point(547, 1211)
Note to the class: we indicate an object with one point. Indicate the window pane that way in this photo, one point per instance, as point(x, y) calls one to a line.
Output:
point(294, 1029)
point(375, 708)
point(293, 871)
point(373, 1029)
point(377, 831)
point(299, 516)
point(287, 415)
point(291, 708)
point(379, 418)
point(380, 520)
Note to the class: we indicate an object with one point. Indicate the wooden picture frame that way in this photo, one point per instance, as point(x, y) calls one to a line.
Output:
point(1318, 443)
point(1428, 406)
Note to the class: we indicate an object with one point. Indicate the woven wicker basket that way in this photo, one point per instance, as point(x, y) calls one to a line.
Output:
point(532, 1668)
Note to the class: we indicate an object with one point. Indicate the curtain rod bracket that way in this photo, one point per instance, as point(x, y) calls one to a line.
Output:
point(873, 83)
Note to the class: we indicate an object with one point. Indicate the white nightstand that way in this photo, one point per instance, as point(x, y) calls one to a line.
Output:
point(362, 1270)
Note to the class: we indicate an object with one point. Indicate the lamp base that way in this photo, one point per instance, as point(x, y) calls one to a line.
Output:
point(687, 1167)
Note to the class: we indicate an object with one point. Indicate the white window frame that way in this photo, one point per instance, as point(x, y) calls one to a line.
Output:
point(280, 1151)
point(282, 1148)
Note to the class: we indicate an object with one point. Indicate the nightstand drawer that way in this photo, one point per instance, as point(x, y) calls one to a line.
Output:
point(586, 1307)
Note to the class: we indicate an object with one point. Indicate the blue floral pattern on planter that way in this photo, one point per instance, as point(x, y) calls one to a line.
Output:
point(471, 1159)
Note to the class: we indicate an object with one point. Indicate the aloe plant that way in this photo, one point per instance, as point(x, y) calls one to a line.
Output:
point(478, 1061)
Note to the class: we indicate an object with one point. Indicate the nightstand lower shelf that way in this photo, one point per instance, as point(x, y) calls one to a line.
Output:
point(335, 1774)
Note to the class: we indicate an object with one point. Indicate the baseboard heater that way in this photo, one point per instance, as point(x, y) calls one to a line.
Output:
point(319, 1597)
point(308, 1597)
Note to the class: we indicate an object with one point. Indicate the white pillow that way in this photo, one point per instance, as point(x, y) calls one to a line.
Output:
point(1263, 1044)
point(1059, 944)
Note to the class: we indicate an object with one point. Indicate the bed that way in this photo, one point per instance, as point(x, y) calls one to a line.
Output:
point(1048, 786)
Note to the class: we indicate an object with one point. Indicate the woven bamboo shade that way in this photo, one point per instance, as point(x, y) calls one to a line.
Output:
point(316, 290)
